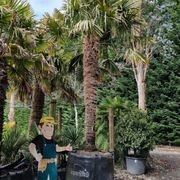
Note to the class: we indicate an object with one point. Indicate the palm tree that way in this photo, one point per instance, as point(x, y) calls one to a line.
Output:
point(110, 105)
point(50, 42)
point(14, 15)
point(139, 55)
point(91, 19)
point(3, 88)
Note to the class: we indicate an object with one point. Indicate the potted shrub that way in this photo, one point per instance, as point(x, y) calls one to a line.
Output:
point(135, 138)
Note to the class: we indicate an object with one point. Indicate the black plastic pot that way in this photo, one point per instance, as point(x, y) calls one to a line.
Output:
point(19, 170)
point(3, 175)
point(23, 170)
point(62, 165)
point(13, 164)
point(91, 166)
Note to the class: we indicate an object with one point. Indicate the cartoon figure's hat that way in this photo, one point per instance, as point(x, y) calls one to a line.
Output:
point(47, 119)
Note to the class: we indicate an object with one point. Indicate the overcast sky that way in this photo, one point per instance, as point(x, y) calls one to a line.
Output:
point(42, 6)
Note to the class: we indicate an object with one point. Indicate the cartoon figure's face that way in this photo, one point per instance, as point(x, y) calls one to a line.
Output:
point(47, 130)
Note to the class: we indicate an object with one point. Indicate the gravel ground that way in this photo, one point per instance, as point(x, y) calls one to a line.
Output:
point(164, 165)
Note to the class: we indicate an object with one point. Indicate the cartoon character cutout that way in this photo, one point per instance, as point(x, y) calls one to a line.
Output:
point(44, 148)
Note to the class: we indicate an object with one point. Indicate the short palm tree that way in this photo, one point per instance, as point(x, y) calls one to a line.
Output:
point(110, 105)
point(91, 18)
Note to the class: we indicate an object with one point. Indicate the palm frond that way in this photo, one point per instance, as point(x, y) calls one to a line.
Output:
point(75, 61)
point(87, 26)
point(70, 135)
point(17, 50)
point(134, 56)
point(110, 66)
point(13, 140)
point(5, 15)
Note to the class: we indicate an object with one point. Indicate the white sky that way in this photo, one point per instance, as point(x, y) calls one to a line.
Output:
point(42, 6)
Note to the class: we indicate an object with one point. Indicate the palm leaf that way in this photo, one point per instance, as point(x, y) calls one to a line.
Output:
point(134, 56)
point(13, 140)
point(75, 61)
point(110, 66)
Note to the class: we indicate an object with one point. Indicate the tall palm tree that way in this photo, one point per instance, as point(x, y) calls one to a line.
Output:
point(92, 18)
point(14, 15)
point(139, 55)
point(3, 88)
point(50, 43)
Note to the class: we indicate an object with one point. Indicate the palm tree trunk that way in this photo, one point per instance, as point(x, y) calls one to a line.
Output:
point(76, 116)
point(59, 120)
point(90, 70)
point(37, 105)
point(52, 108)
point(11, 106)
point(140, 68)
point(111, 129)
point(3, 88)
point(141, 86)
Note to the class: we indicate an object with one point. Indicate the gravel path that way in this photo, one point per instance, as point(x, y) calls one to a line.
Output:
point(164, 163)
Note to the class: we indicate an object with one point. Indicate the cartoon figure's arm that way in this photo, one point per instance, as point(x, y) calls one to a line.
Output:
point(33, 151)
point(63, 148)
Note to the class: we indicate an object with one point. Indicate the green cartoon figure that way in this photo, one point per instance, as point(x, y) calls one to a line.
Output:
point(44, 148)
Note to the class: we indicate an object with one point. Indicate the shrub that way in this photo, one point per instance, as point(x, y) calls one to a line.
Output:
point(134, 133)
point(12, 142)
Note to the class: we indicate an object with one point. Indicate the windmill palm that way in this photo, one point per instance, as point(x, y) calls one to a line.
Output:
point(139, 55)
point(110, 105)
point(55, 45)
point(91, 19)
point(14, 15)
point(50, 44)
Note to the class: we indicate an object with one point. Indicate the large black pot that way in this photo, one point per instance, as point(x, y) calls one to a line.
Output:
point(22, 169)
point(18, 170)
point(13, 164)
point(90, 166)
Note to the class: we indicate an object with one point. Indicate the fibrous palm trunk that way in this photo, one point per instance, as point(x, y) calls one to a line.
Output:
point(37, 105)
point(52, 108)
point(3, 88)
point(90, 70)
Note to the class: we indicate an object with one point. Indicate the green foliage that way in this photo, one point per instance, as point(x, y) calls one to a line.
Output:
point(102, 128)
point(102, 142)
point(163, 99)
point(134, 132)
point(12, 142)
point(70, 135)
point(177, 142)
point(67, 112)
point(22, 115)
point(123, 86)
